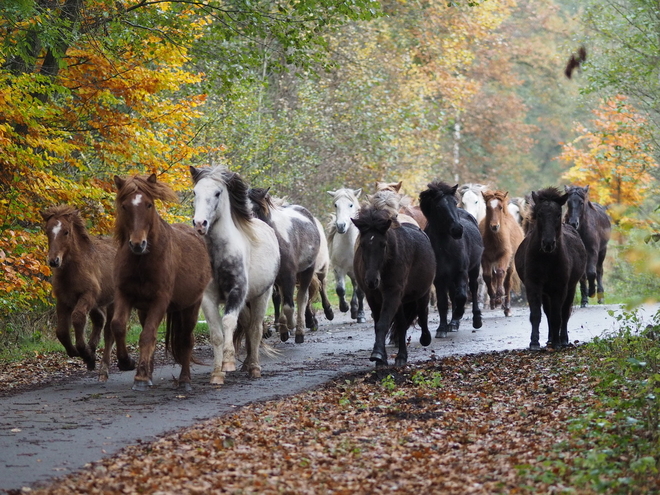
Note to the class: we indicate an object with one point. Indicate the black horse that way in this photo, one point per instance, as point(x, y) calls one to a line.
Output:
point(550, 261)
point(458, 247)
point(594, 227)
point(394, 266)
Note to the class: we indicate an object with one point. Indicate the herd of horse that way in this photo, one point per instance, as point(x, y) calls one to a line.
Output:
point(246, 248)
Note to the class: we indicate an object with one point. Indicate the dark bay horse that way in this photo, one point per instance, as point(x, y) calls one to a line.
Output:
point(594, 227)
point(501, 235)
point(458, 248)
point(550, 260)
point(394, 267)
point(300, 240)
point(160, 269)
point(83, 284)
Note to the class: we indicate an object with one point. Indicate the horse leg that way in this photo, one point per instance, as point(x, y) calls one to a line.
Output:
point(98, 318)
point(401, 328)
point(534, 298)
point(488, 282)
point(566, 310)
point(118, 326)
point(182, 327)
point(506, 285)
point(599, 278)
point(554, 319)
point(458, 301)
point(277, 305)
point(258, 309)
point(383, 315)
point(210, 304)
point(584, 298)
point(591, 273)
point(62, 330)
point(108, 342)
point(473, 282)
point(443, 307)
point(499, 275)
point(233, 307)
point(423, 319)
point(340, 289)
point(286, 322)
point(147, 345)
point(325, 302)
point(361, 316)
point(79, 321)
point(304, 279)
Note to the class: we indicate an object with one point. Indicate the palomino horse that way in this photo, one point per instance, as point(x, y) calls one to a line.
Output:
point(550, 260)
point(82, 284)
point(405, 205)
point(594, 227)
point(342, 238)
point(159, 269)
point(245, 259)
point(300, 242)
point(458, 247)
point(394, 267)
point(501, 235)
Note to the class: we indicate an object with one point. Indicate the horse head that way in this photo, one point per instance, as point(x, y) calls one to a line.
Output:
point(135, 212)
point(578, 199)
point(64, 228)
point(373, 225)
point(261, 203)
point(439, 202)
point(346, 207)
point(496, 204)
point(547, 214)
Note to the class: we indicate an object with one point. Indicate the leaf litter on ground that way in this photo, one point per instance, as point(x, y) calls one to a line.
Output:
point(463, 424)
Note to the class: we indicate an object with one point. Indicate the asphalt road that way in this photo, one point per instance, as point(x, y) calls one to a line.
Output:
point(57, 429)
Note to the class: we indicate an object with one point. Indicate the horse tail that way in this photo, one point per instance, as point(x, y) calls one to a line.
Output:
point(239, 339)
point(177, 340)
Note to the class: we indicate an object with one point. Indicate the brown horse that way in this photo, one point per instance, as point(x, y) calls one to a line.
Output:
point(82, 283)
point(406, 205)
point(501, 235)
point(159, 269)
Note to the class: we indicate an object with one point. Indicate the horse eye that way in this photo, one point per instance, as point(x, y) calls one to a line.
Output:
point(335, 205)
point(217, 195)
point(149, 205)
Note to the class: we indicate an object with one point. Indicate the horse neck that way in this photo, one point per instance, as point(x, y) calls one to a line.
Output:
point(228, 230)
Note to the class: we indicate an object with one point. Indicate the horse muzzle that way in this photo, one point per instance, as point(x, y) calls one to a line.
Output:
point(548, 247)
point(201, 227)
point(456, 231)
point(495, 227)
point(373, 283)
point(55, 262)
point(341, 228)
point(138, 248)
point(574, 223)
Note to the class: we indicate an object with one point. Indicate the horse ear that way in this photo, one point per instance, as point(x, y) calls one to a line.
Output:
point(119, 182)
point(152, 179)
point(45, 215)
point(454, 189)
point(535, 197)
point(566, 188)
point(194, 173)
point(357, 192)
point(331, 193)
point(563, 199)
point(398, 185)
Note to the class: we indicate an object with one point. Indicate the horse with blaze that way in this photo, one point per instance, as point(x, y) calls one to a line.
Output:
point(501, 236)
point(160, 270)
point(458, 248)
point(394, 266)
point(550, 260)
point(594, 227)
point(83, 284)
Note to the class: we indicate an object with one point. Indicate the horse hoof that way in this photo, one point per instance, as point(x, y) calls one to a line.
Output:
point(454, 325)
point(91, 365)
point(343, 307)
point(141, 385)
point(507, 312)
point(425, 339)
point(477, 322)
point(229, 366)
point(217, 379)
point(300, 338)
point(255, 373)
point(103, 377)
point(534, 347)
point(361, 318)
point(378, 357)
point(268, 333)
point(400, 362)
point(583, 305)
point(329, 314)
point(185, 386)
point(440, 334)
point(127, 364)
point(284, 336)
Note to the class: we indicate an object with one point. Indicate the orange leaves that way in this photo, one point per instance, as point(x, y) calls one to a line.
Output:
point(615, 157)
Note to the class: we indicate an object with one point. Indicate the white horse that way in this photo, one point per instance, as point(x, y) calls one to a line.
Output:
point(245, 259)
point(471, 200)
point(342, 236)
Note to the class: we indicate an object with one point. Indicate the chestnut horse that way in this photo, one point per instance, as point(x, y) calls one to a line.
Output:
point(594, 227)
point(550, 260)
point(502, 235)
point(160, 269)
point(83, 284)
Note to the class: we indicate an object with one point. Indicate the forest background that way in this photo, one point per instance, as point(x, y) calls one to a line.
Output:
point(311, 95)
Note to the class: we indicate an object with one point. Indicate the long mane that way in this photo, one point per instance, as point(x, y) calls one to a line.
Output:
point(74, 217)
point(157, 190)
point(547, 194)
point(238, 194)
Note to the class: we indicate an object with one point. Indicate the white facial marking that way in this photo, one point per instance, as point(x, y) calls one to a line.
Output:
point(137, 199)
point(56, 229)
point(494, 203)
